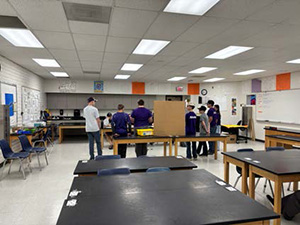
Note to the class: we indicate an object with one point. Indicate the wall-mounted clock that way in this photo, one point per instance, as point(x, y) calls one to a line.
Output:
point(203, 92)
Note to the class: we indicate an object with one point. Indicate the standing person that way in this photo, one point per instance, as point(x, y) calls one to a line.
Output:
point(141, 117)
point(120, 123)
point(92, 126)
point(204, 130)
point(213, 125)
point(218, 122)
point(190, 129)
point(107, 124)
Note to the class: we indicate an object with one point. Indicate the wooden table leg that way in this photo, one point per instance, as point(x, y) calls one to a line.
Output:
point(102, 138)
point(277, 199)
point(225, 145)
point(251, 183)
point(176, 147)
point(52, 133)
point(30, 139)
point(60, 134)
point(244, 178)
point(226, 170)
point(295, 186)
point(115, 147)
point(216, 150)
point(165, 148)
point(170, 148)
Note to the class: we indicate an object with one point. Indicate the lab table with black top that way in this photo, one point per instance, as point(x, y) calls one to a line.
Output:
point(69, 126)
point(90, 167)
point(166, 198)
point(278, 166)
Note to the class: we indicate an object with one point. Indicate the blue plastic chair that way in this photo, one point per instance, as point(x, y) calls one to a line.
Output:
point(101, 157)
point(8, 154)
point(44, 139)
point(269, 149)
point(143, 156)
point(158, 169)
point(27, 147)
point(115, 171)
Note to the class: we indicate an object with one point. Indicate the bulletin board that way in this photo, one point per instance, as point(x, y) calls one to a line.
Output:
point(31, 104)
point(9, 95)
point(169, 118)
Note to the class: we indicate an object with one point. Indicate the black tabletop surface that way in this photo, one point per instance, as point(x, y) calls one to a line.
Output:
point(202, 136)
point(197, 203)
point(283, 130)
point(134, 164)
point(141, 137)
point(277, 162)
point(285, 137)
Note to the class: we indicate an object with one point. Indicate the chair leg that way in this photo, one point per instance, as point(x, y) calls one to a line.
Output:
point(271, 188)
point(257, 182)
point(11, 162)
point(289, 187)
point(46, 158)
point(23, 171)
point(38, 158)
point(28, 164)
point(265, 185)
point(237, 180)
point(2, 175)
point(282, 190)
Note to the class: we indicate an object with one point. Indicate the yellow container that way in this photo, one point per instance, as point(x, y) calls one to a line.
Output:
point(144, 132)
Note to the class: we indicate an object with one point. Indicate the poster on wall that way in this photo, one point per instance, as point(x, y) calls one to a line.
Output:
point(233, 106)
point(9, 97)
point(98, 86)
point(67, 86)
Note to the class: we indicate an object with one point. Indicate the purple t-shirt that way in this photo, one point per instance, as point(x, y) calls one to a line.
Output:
point(212, 113)
point(190, 123)
point(141, 116)
point(120, 121)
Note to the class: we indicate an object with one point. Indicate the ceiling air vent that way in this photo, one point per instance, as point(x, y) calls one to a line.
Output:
point(87, 13)
point(197, 76)
point(91, 72)
point(11, 22)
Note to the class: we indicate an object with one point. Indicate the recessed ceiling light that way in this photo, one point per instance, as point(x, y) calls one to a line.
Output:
point(150, 47)
point(131, 66)
point(192, 7)
point(176, 78)
point(295, 61)
point(228, 52)
point(59, 74)
point(46, 62)
point(248, 72)
point(20, 37)
point(203, 70)
point(121, 77)
point(214, 79)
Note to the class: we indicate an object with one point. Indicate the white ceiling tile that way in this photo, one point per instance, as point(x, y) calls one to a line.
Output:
point(25, 53)
point(110, 68)
point(121, 45)
point(178, 48)
point(89, 42)
point(206, 28)
point(155, 5)
point(79, 27)
point(238, 9)
point(91, 2)
point(69, 63)
point(161, 59)
point(130, 23)
point(6, 9)
point(42, 15)
point(91, 66)
point(55, 39)
point(90, 56)
point(115, 57)
point(138, 59)
point(64, 54)
point(162, 30)
point(73, 71)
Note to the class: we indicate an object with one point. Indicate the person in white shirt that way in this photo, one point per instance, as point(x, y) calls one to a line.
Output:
point(92, 126)
point(108, 135)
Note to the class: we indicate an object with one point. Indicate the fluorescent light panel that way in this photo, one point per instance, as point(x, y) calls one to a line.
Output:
point(192, 7)
point(203, 70)
point(214, 79)
point(46, 62)
point(131, 66)
point(295, 61)
point(228, 52)
point(20, 37)
point(176, 78)
point(150, 47)
point(248, 72)
point(59, 74)
point(121, 77)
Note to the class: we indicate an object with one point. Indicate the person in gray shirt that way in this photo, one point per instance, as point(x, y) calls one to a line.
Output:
point(204, 130)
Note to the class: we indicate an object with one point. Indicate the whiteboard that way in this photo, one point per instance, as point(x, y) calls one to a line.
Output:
point(31, 105)
point(279, 106)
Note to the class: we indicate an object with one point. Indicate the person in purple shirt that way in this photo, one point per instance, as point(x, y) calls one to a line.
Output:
point(190, 129)
point(213, 124)
point(141, 117)
point(218, 123)
point(121, 127)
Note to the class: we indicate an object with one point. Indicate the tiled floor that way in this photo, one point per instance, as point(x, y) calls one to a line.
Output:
point(38, 199)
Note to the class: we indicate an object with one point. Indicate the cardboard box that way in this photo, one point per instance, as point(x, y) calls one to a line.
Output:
point(231, 139)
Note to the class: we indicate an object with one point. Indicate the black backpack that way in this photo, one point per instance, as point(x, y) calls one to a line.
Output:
point(291, 205)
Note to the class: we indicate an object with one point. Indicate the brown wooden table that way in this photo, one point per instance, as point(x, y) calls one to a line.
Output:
point(279, 131)
point(63, 127)
point(102, 132)
point(39, 132)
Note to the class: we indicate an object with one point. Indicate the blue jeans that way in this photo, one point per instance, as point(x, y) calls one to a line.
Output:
point(188, 150)
point(211, 144)
point(94, 136)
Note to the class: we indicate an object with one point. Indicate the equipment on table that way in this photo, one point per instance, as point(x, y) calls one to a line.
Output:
point(102, 157)
point(144, 132)
point(158, 169)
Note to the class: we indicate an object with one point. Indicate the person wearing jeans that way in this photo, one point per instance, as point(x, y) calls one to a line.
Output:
point(190, 129)
point(218, 123)
point(213, 125)
point(204, 130)
point(92, 126)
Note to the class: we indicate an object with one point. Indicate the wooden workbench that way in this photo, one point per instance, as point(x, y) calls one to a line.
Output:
point(63, 127)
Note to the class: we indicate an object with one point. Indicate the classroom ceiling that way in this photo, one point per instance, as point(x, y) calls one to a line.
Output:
point(88, 50)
